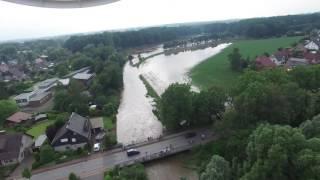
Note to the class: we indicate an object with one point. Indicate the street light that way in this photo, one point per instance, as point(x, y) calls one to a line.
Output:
point(62, 3)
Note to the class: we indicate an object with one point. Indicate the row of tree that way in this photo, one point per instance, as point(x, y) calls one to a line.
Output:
point(251, 28)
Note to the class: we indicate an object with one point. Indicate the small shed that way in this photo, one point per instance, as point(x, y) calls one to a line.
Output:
point(40, 117)
point(39, 142)
point(97, 125)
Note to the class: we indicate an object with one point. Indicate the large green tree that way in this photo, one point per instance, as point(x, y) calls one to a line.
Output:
point(175, 105)
point(217, 169)
point(281, 152)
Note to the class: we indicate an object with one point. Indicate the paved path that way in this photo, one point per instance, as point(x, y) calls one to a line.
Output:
point(91, 168)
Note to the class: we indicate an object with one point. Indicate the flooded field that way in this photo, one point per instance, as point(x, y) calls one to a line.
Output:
point(135, 119)
point(162, 70)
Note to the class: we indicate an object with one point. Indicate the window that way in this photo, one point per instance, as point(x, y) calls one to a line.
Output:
point(64, 140)
point(74, 140)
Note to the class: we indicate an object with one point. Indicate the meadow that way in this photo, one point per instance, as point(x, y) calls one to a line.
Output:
point(216, 70)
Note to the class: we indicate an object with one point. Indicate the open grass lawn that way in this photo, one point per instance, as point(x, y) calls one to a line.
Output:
point(39, 128)
point(108, 124)
point(216, 70)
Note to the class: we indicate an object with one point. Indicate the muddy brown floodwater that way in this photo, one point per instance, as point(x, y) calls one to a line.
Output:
point(171, 168)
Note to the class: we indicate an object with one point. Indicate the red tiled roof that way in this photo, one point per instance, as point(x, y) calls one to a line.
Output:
point(18, 117)
point(264, 62)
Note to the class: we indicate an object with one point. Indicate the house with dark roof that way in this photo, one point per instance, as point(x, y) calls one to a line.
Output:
point(76, 133)
point(14, 148)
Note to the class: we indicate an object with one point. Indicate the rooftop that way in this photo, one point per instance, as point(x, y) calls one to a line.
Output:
point(97, 122)
point(19, 117)
point(82, 76)
point(10, 146)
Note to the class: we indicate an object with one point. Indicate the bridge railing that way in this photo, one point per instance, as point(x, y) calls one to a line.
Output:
point(149, 157)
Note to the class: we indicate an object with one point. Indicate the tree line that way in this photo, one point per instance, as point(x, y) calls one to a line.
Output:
point(268, 124)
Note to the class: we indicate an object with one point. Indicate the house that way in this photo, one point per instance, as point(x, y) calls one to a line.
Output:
point(34, 98)
point(293, 62)
point(313, 45)
point(14, 148)
point(19, 118)
point(23, 99)
point(280, 57)
point(4, 67)
point(48, 84)
point(76, 133)
point(85, 78)
point(263, 62)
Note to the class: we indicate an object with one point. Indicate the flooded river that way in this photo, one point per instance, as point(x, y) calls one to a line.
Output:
point(135, 119)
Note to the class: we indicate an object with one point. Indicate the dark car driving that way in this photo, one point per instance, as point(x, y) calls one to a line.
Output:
point(132, 152)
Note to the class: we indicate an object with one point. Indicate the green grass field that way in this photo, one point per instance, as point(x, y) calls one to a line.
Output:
point(216, 70)
point(39, 128)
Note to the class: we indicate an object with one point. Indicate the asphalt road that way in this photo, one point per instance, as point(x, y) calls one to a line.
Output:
point(93, 168)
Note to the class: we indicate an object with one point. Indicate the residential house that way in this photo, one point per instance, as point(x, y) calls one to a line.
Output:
point(64, 82)
point(14, 148)
point(23, 99)
point(48, 84)
point(40, 98)
point(85, 78)
point(280, 57)
point(19, 118)
point(76, 133)
point(34, 98)
point(313, 45)
point(263, 62)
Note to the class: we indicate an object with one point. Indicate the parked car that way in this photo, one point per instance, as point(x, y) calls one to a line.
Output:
point(132, 152)
point(190, 135)
point(96, 147)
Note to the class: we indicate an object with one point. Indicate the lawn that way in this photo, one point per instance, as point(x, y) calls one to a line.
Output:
point(216, 70)
point(108, 124)
point(39, 128)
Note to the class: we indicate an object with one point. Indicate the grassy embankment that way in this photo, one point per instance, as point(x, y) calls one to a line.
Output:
point(216, 70)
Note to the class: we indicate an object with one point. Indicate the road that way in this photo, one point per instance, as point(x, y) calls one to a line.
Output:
point(93, 168)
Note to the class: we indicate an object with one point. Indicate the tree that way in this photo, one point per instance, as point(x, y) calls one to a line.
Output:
point(209, 105)
point(311, 128)
point(7, 108)
point(237, 63)
point(217, 169)
point(281, 152)
point(46, 154)
point(73, 176)
point(175, 105)
point(26, 173)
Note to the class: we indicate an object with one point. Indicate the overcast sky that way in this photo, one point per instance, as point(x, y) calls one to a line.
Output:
point(19, 21)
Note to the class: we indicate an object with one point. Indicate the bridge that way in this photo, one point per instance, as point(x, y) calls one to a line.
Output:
point(98, 163)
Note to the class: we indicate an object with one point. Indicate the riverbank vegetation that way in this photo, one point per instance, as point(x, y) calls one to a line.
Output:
point(268, 130)
point(216, 70)
point(134, 172)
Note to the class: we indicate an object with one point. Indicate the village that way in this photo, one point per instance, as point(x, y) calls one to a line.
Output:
point(303, 53)
point(24, 138)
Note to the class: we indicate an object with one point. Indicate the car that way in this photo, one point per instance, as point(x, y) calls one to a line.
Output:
point(190, 135)
point(132, 152)
point(96, 147)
